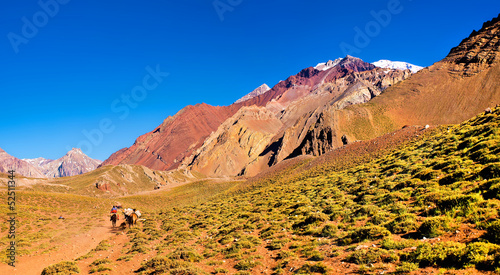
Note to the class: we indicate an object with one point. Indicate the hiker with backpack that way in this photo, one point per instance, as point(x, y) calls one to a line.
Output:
point(114, 215)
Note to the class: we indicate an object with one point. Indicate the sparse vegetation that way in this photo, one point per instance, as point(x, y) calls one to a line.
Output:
point(432, 203)
point(61, 268)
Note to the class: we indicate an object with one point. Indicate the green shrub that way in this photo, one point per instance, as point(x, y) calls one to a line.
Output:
point(464, 202)
point(380, 218)
point(371, 255)
point(100, 262)
point(493, 232)
point(125, 258)
point(277, 244)
point(185, 254)
point(447, 254)
point(367, 210)
point(427, 174)
point(160, 265)
point(406, 267)
point(220, 270)
point(491, 171)
point(102, 246)
point(371, 232)
point(492, 188)
point(390, 244)
point(402, 224)
point(435, 226)
point(315, 255)
point(246, 264)
point(481, 255)
point(61, 268)
point(284, 254)
point(312, 219)
point(100, 268)
point(329, 230)
point(312, 268)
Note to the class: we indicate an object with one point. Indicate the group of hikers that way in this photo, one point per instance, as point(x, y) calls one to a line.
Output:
point(130, 215)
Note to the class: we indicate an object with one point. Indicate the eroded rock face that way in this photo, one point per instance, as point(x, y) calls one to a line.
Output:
point(176, 138)
point(236, 145)
point(477, 52)
point(179, 136)
point(320, 107)
point(292, 123)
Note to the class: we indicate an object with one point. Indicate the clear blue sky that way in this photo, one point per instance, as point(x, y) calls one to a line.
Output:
point(84, 55)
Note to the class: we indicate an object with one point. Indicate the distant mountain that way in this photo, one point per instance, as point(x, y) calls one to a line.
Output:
point(39, 162)
point(260, 90)
point(21, 167)
point(310, 112)
point(179, 136)
point(75, 162)
point(258, 137)
point(450, 91)
point(398, 65)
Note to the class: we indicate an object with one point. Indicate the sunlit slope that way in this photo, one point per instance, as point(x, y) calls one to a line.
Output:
point(429, 205)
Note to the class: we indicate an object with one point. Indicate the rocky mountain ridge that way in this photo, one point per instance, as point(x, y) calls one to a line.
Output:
point(237, 148)
point(21, 167)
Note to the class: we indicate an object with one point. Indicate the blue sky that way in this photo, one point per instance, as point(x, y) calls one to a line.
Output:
point(70, 65)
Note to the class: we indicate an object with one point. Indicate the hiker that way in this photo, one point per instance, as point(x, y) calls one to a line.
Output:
point(114, 212)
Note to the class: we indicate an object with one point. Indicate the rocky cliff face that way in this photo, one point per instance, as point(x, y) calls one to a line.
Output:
point(313, 109)
point(176, 138)
point(317, 107)
point(23, 168)
point(476, 53)
point(257, 137)
point(235, 147)
point(179, 136)
point(450, 91)
point(313, 131)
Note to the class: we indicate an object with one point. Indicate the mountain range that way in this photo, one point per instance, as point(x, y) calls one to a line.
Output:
point(75, 162)
point(310, 112)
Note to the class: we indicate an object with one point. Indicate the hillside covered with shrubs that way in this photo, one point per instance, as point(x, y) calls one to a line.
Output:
point(429, 206)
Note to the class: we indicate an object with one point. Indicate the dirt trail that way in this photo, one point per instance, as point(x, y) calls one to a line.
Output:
point(75, 247)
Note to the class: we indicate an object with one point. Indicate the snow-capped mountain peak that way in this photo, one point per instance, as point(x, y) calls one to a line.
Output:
point(398, 65)
point(75, 162)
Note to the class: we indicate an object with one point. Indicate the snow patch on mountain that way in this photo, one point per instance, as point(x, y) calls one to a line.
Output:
point(398, 65)
point(260, 90)
point(38, 162)
point(328, 65)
